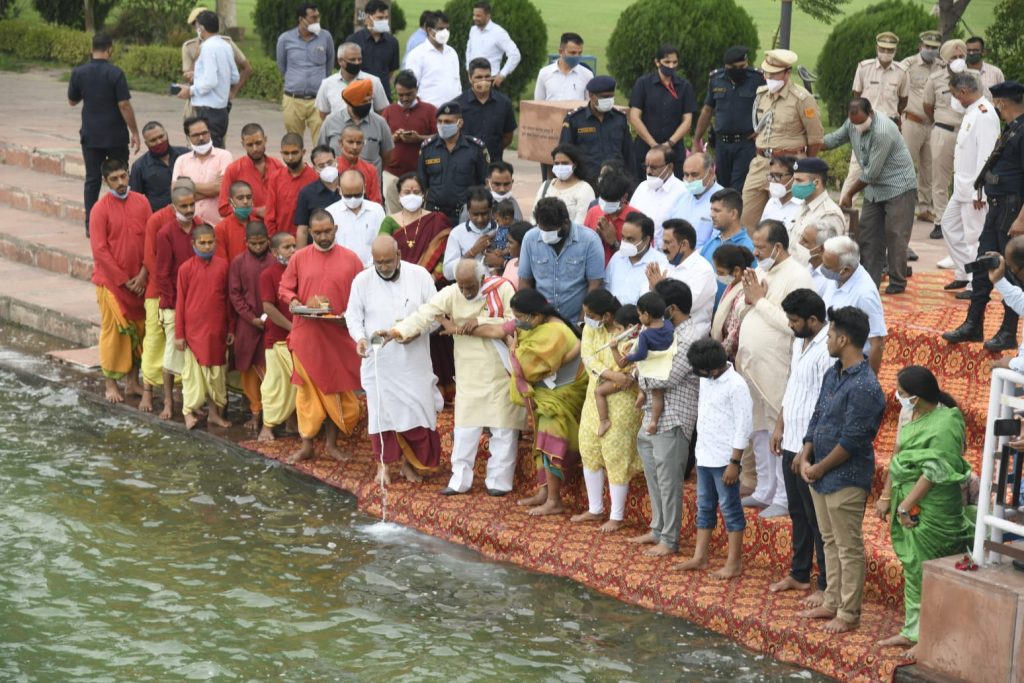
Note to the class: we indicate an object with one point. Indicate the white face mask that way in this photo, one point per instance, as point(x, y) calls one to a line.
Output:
point(775, 86)
point(725, 279)
point(550, 236)
point(353, 202)
point(766, 264)
point(958, 65)
point(381, 26)
point(411, 202)
point(885, 57)
point(329, 174)
point(608, 207)
point(628, 249)
point(562, 171)
point(654, 182)
point(314, 28)
point(863, 127)
point(442, 36)
point(178, 216)
point(906, 402)
point(777, 190)
point(956, 106)
point(500, 197)
point(591, 323)
point(605, 104)
point(203, 149)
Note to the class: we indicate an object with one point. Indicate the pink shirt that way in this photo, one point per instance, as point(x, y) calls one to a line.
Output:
point(203, 170)
point(512, 272)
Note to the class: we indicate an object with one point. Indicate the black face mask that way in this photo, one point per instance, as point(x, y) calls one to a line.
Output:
point(351, 68)
point(362, 110)
point(736, 75)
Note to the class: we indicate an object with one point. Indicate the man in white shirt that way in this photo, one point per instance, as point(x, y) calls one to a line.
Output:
point(694, 205)
point(854, 287)
point(1013, 297)
point(350, 69)
point(564, 79)
point(358, 219)
point(215, 74)
point(656, 195)
point(471, 239)
point(781, 206)
point(687, 265)
point(491, 42)
point(436, 64)
point(813, 239)
point(810, 360)
point(626, 273)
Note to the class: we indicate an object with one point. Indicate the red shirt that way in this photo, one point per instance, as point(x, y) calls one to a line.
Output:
point(153, 225)
point(244, 169)
point(173, 248)
point(270, 282)
point(244, 295)
point(422, 118)
point(590, 221)
point(230, 234)
point(369, 171)
point(202, 315)
point(117, 234)
point(283, 195)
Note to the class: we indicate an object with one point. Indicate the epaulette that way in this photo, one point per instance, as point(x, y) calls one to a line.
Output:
point(982, 108)
point(866, 62)
point(716, 72)
point(423, 145)
point(576, 110)
point(900, 65)
point(476, 141)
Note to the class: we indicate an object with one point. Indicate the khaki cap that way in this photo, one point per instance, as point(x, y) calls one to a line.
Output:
point(778, 60)
point(887, 39)
point(931, 38)
point(194, 14)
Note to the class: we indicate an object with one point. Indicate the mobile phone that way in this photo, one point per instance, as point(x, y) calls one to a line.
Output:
point(174, 89)
point(1008, 427)
point(982, 265)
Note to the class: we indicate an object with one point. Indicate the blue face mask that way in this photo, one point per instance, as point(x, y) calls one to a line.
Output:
point(572, 62)
point(120, 196)
point(206, 256)
point(694, 187)
point(829, 274)
point(447, 130)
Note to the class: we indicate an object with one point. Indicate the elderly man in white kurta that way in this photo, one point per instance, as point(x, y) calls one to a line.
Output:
point(764, 354)
point(402, 398)
point(481, 380)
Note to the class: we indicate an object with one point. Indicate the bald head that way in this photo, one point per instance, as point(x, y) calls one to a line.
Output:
point(184, 201)
point(352, 184)
point(386, 258)
point(698, 167)
point(184, 181)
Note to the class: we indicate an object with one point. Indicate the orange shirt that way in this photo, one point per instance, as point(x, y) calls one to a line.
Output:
point(283, 195)
point(153, 225)
point(117, 234)
point(243, 168)
point(230, 234)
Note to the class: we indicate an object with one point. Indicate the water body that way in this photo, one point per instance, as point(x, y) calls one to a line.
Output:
point(134, 554)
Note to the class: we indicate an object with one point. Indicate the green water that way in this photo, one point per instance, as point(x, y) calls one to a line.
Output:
point(133, 554)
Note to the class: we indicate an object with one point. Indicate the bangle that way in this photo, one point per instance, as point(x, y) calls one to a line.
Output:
point(885, 499)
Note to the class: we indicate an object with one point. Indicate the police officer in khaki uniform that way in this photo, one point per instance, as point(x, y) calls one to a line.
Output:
point(917, 126)
point(885, 84)
point(786, 122)
point(938, 108)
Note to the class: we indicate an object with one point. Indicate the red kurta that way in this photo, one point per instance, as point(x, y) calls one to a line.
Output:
point(203, 316)
point(244, 169)
point(283, 195)
point(369, 171)
point(230, 234)
point(270, 282)
point(153, 225)
point(117, 230)
point(244, 294)
point(173, 248)
point(324, 347)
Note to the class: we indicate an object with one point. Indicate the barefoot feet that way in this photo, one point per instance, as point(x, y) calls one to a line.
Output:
point(146, 404)
point(838, 625)
point(730, 571)
point(587, 516)
point(645, 539)
point(410, 474)
point(550, 507)
point(788, 584)
point(694, 563)
point(611, 526)
point(539, 498)
point(266, 434)
point(305, 452)
point(190, 420)
point(660, 550)
point(820, 612)
point(815, 599)
point(112, 393)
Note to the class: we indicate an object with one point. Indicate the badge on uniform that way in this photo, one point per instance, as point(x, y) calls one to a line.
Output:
point(588, 129)
point(435, 160)
point(809, 112)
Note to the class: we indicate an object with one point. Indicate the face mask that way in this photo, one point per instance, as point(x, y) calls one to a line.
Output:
point(654, 182)
point(885, 58)
point(766, 264)
point(605, 104)
point(500, 196)
point(694, 187)
point(323, 249)
point(562, 171)
point(775, 86)
point(906, 402)
point(591, 323)
point(447, 130)
point(803, 190)
point(863, 127)
point(628, 249)
point(181, 218)
point(958, 65)
point(956, 106)
point(571, 62)
point(777, 190)
point(199, 34)
point(389, 278)
point(122, 196)
point(381, 26)
point(329, 174)
point(608, 207)
point(242, 213)
point(353, 202)
point(350, 68)
point(668, 71)
point(928, 54)
point(160, 149)
point(550, 236)
point(411, 202)
point(314, 28)
point(524, 325)
point(361, 111)
point(442, 36)
point(407, 105)
point(203, 149)
point(205, 255)
point(829, 274)
point(973, 59)
point(725, 279)
point(736, 75)
point(283, 260)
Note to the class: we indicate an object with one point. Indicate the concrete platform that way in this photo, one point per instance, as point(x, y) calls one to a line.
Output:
point(57, 305)
point(44, 194)
point(52, 244)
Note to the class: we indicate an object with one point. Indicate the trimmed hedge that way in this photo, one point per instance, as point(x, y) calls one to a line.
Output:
point(68, 47)
point(838, 161)
point(274, 17)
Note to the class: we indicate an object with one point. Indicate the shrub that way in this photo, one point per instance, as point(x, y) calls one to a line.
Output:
point(838, 161)
point(1006, 37)
point(274, 17)
point(523, 23)
point(645, 25)
point(152, 22)
point(72, 12)
point(266, 82)
point(152, 61)
point(853, 39)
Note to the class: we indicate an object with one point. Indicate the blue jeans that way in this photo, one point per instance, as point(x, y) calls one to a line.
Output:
point(712, 493)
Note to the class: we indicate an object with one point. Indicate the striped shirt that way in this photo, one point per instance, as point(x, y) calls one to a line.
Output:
point(806, 370)
point(886, 166)
point(681, 387)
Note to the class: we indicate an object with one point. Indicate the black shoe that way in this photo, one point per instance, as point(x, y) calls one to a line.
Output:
point(964, 295)
point(936, 233)
point(895, 289)
point(910, 272)
point(496, 493)
point(956, 284)
point(449, 491)
point(912, 255)
point(970, 331)
point(1003, 341)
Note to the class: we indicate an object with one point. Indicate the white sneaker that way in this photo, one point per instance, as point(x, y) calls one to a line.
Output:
point(946, 264)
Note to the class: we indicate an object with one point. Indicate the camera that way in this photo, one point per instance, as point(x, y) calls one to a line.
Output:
point(982, 265)
point(174, 89)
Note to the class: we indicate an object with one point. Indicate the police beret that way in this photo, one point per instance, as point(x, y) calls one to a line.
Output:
point(887, 39)
point(736, 53)
point(601, 84)
point(450, 108)
point(1007, 89)
point(931, 38)
point(811, 165)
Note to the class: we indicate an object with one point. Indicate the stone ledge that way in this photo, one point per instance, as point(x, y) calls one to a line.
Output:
point(55, 162)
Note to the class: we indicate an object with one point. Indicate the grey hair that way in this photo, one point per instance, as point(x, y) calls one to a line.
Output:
point(345, 46)
point(822, 233)
point(709, 160)
point(846, 249)
point(964, 81)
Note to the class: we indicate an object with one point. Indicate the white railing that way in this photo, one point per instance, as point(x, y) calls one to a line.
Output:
point(991, 523)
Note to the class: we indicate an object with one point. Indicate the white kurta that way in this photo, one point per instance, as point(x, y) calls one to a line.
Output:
point(408, 389)
point(481, 381)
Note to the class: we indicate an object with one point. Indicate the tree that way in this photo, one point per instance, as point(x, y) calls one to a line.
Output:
point(273, 17)
point(1006, 37)
point(950, 12)
point(523, 23)
point(73, 13)
point(824, 11)
point(645, 25)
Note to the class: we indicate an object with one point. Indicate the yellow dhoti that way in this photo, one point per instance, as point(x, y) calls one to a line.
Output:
point(173, 358)
point(251, 382)
point(120, 339)
point(277, 393)
point(313, 406)
point(201, 382)
point(153, 345)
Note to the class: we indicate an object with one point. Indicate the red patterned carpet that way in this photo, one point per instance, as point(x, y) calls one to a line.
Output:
point(741, 609)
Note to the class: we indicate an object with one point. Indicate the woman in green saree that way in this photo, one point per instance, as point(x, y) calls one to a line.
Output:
point(923, 492)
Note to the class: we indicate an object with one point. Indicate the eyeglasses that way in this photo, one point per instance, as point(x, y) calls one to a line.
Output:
point(777, 177)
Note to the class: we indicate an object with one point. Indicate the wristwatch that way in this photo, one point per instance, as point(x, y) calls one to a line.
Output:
point(737, 463)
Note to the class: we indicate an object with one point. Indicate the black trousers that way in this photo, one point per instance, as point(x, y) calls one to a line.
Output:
point(806, 537)
point(995, 234)
point(218, 119)
point(732, 161)
point(94, 158)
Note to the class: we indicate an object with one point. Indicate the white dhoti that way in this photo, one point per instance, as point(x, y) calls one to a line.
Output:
point(501, 466)
point(771, 488)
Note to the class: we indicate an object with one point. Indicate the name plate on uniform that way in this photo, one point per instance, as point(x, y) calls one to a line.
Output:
point(540, 125)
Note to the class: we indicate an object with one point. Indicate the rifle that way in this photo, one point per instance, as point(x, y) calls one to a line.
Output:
point(986, 175)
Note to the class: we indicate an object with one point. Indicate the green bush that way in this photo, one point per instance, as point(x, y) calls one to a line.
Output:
point(853, 39)
point(151, 22)
point(523, 23)
point(645, 25)
point(266, 82)
point(274, 17)
point(72, 12)
point(151, 61)
point(1006, 38)
point(838, 161)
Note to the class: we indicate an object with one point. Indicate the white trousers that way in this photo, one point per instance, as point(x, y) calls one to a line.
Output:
point(771, 487)
point(595, 495)
point(961, 228)
point(501, 466)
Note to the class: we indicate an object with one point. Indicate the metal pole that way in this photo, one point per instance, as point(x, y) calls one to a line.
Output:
point(785, 23)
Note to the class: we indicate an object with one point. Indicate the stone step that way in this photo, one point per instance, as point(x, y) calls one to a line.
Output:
point(44, 242)
point(58, 161)
point(56, 196)
point(58, 305)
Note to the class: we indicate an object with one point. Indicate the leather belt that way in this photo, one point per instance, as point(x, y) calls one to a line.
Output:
point(300, 96)
point(915, 118)
point(730, 137)
point(945, 126)
point(772, 152)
